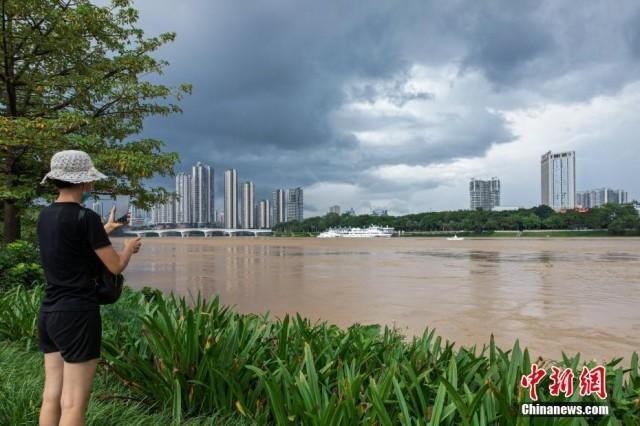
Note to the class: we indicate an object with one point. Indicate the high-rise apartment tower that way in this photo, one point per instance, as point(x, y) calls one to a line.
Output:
point(231, 199)
point(202, 195)
point(183, 203)
point(295, 204)
point(278, 207)
point(558, 179)
point(263, 215)
point(248, 220)
point(484, 194)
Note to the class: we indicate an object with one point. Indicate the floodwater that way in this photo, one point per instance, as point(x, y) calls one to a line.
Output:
point(573, 295)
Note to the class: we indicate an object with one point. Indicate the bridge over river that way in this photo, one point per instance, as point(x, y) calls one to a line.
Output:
point(206, 232)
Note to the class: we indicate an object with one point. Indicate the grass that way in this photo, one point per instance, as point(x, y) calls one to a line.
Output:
point(173, 361)
point(111, 402)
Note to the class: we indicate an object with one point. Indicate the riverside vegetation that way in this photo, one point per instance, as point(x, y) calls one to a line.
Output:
point(170, 360)
point(609, 219)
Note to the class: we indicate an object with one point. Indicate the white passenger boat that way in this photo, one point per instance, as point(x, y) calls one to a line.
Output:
point(370, 232)
point(455, 238)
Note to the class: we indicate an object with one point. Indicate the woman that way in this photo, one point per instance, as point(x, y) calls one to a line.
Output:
point(69, 324)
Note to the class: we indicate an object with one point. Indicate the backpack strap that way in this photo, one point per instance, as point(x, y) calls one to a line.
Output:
point(82, 221)
point(81, 214)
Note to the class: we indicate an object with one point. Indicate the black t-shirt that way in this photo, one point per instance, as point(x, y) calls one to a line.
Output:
point(67, 245)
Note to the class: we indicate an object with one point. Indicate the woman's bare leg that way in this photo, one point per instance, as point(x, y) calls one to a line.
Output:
point(53, 371)
point(76, 389)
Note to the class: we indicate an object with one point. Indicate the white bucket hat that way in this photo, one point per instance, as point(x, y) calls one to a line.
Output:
point(74, 167)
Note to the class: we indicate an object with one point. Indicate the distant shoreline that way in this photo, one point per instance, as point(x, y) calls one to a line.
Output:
point(550, 233)
point(505, 235)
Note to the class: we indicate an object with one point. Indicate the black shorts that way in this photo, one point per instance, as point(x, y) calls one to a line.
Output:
point(76, 335)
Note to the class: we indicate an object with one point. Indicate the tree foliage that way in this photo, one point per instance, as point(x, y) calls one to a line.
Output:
point(618, 219)
point(74, 75)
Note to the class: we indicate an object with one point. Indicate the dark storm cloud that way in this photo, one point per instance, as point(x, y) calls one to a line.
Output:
point(265, 80)
point(268, 76)
point(560, 51)
point(632, 34)
point(507, 49)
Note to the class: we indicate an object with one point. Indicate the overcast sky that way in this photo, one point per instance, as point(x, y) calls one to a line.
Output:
point(398, 104)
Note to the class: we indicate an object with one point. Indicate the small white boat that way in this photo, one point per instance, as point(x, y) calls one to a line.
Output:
point(455, 238)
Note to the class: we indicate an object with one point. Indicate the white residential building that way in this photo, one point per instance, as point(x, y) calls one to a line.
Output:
point(164, 214)
point(558, 179)
point(484, 194)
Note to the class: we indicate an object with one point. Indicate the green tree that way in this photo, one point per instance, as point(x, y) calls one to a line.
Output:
point(491, 225)
point(599, 217)
point(624, 224)
point(556, 221)
point(543, 211)
point(530, 221)
point(332, 220)
point(73, 75)
point(510, 222)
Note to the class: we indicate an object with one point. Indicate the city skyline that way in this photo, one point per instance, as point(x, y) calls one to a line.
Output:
point(596, 197)
point(194, 203)
point(369, 209)
point(483, 194)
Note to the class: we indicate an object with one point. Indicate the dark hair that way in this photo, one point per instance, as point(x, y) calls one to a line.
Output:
point(61, 183)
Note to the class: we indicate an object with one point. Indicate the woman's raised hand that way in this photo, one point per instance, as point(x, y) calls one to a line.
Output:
point(111, 224)
point(134, 244)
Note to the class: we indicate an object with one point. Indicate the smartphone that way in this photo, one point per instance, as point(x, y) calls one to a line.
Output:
point(122, 207)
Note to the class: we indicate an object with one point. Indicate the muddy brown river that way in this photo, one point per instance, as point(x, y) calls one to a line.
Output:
point(573, 295)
